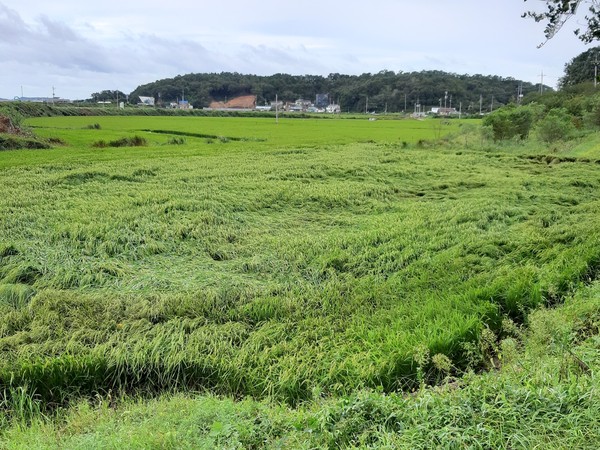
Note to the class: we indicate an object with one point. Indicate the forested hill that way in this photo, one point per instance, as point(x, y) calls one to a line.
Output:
point(398, 91)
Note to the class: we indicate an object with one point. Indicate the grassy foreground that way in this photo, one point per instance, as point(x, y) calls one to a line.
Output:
point(329, 264)
point(546, 395)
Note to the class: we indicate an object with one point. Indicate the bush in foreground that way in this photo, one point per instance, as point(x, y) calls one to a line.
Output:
point(556, 126)
point(510, 122)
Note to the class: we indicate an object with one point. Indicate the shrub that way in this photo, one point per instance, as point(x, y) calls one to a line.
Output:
point(557, 125)
point(593, 116)
point(510, 121)
point(12, 120)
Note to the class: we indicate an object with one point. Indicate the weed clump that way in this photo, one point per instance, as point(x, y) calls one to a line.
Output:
point(135, 141)
point(11, 142)
point(176, 141)
point(144, 173)
point(100, 144)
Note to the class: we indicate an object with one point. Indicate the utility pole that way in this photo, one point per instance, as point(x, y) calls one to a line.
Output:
point(595, 71)
point(480, 104)
point(276, 110)
point(542, 82)
point(367, 105)
point(445, 98)
point(417, 108)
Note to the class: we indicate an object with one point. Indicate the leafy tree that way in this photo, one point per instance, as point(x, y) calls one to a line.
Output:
point(558, 12)
point(581, 68)
point(107, 96)
point(396, 91)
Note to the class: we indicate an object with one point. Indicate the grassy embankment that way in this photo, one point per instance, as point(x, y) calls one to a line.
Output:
point(308, 259)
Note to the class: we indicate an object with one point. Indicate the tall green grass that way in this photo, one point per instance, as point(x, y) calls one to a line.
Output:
point(276, 268)
point(543, 395)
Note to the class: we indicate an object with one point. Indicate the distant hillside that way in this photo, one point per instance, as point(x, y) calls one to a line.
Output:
point(381, 91)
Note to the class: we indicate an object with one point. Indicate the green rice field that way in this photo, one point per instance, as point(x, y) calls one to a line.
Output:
point(308, 258)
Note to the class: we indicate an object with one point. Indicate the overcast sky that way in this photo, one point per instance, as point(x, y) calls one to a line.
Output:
point(80, 47)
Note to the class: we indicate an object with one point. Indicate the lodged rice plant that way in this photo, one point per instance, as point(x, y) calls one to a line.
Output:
point(276, 265)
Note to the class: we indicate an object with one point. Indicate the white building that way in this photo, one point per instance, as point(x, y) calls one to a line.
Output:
point(444, 111)
point(333, 109)
point(146, 101)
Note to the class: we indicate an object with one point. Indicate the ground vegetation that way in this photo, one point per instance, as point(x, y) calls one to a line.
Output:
point(343, 283)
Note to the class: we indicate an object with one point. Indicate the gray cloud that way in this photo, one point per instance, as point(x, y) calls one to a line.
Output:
point(266, 60)
point(152, 50)
point(12, 27)
point(89, 46)
point(51, 43)
point(53, 47)
point(58, 30)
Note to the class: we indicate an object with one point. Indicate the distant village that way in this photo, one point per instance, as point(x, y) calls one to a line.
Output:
point(249, 103)
point(321, 105)
point(246, 103)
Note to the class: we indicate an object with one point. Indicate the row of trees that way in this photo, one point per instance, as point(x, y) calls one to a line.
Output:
point(555, 116)
point(563, 114)
point(385, 90)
